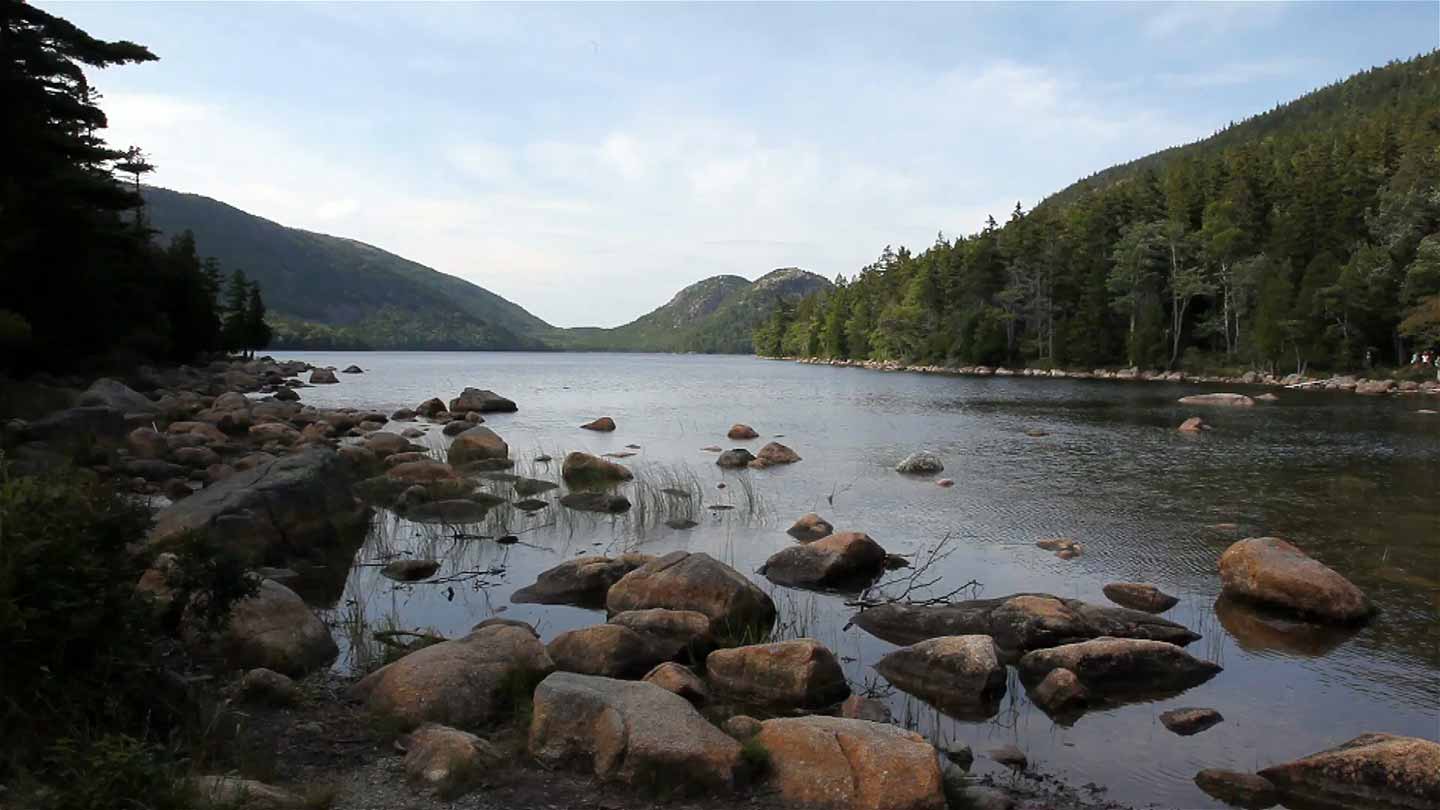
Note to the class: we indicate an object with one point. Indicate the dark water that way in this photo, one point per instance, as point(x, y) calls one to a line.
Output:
point(1353, 480)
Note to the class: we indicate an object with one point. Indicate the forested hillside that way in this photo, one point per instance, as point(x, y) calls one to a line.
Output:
point(325, 291)
point(1306, 236)
point(716, 315)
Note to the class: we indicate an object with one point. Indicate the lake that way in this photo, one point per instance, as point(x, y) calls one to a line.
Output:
point(1353, 480)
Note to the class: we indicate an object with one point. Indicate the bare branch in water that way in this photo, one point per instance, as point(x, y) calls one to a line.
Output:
point(918, 580)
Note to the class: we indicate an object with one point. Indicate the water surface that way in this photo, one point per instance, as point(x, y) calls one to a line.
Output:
point(1353, 480)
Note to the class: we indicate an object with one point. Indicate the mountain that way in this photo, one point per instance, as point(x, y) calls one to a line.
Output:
point(715, 316)
point(1306, 237)
point(326, 291)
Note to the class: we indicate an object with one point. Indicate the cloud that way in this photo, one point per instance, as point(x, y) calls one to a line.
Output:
point(1237, 73)
point(1204, 19)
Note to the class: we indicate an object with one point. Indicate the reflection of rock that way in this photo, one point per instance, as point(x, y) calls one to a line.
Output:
point(1245, 790)
point(603, 502)
point(1370, 770)
point(410, 570)
point(452, 511)
point(1257, 630)
point(960, 675)
point(1230, 400)
point(1273, 572)
point(1018, 623)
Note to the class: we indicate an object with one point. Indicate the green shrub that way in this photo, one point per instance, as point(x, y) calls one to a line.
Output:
point(94, 774)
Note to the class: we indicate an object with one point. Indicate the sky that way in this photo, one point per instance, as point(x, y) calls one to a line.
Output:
point(586, 161)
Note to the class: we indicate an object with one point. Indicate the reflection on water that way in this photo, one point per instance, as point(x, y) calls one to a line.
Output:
point(1352, 480)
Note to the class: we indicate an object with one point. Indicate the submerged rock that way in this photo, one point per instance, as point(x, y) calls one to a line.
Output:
point(604, 425)
point(450, 511)
point(1121, 665)
point(1245, 790)
point(465, 682)
point(1370, 770)
point(921, 463)
point(410, 570)
point(1272, 572)
point(1017, 623)
point(960, 675)
point(525, 487)
point(682, 580)
point(1231, 400)
point(834, 762)
point(734, 459)
point(1140, 596)
point(848, 558)
point(582, 581)
point(603, 502)
point(631, 732)
point(1186, 722)
point(799, 673)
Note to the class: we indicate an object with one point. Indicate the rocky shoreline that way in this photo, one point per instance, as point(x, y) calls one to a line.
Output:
point(681, 690)
point(1345, 382)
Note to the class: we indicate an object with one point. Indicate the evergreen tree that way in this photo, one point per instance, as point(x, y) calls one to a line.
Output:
point(236, 331)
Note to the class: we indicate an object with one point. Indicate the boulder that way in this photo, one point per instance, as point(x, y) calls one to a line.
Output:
point(676, 634)
point(1370, 770)
point(603, 502)
point(1121, 665)
point(1017, 623)
point(1186, 722)
point(153, 470)
point(1228, 400)
point(481, 401)
point(384, 445)
point(422, 471)
point(70, 424)
point(1193, 425)
point(741, 727)
point(352, 369)
point(273, 629)
point(477, 444)
point(777, 453)
point(679, 679)
point(810, 528)
point(145, 442)
point(118, 396)
point(631, 732)
point(582, 581)
point(1374, 387)
point(266, 686)
point(682, 580)
point(734, 459)
point(741, 432)
point(1275, 573)
point(430, 407)
point(291, 503)
point(323, 376)
point(234, 791)
point(604, 425)
point(583, 469)
point(961, 675)
point(410, 570)
point(456, 426)
point(847, 558)
point(609, 650)
point(1060, 693)
point(833, 762)
point(921, 463)
point(1139, 596)
point(196, 457)
point(800, 673)
point(447, 759)
point(1237, 789)
point(465, 682)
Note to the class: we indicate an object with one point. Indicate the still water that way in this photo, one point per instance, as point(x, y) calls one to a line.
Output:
point(1353, 480)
